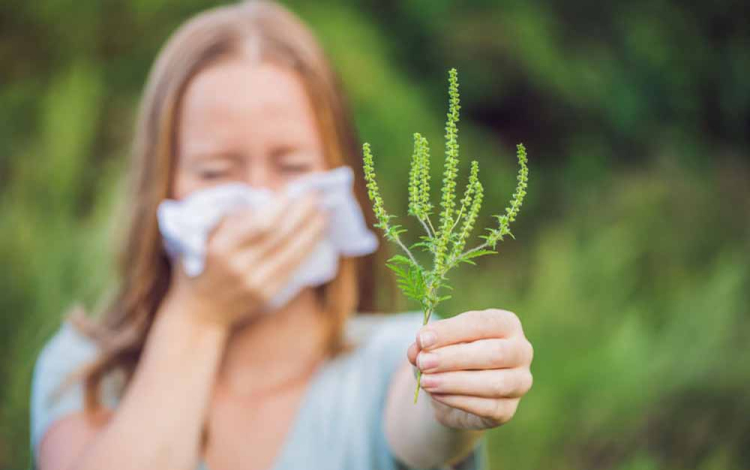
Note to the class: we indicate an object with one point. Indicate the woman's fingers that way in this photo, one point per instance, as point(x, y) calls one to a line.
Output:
point(260, 238)
point(412, 353)
point(297, 215)
point(491, 411)
point(470, 326)
point(477, 355)
point(497, 383)
point(277, 268)
point(245, 226)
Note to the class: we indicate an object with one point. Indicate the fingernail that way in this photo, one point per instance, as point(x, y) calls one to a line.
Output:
point(427, 339)
point(429, 381)
point(427, 361)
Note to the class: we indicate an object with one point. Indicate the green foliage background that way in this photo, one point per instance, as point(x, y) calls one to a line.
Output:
point(630, 269)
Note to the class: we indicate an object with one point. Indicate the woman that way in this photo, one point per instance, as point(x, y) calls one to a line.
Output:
point(183, 372)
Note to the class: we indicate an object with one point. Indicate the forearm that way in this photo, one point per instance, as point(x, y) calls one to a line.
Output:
point(159, 421)
point(414, 434)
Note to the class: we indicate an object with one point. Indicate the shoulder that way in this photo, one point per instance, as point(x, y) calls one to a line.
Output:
point(54, 391)
point(350, 395)
point(385, 338)
point(368, 330)
point(380, 343)
point(358, 390)
point(66, 349)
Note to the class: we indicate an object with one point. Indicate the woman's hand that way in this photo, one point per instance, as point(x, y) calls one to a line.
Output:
point(249, 257)
point(475, 366)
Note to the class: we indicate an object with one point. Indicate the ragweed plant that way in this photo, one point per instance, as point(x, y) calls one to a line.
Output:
point(445, 243)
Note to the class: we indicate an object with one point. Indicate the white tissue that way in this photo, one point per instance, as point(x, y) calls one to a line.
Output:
point(186, 224)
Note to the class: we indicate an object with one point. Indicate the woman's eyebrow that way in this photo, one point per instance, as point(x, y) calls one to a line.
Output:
point(281, 149)
point(218, 155)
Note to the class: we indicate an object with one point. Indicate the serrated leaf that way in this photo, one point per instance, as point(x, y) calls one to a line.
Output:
point(474, 254)
point(400, 259)
point(399, 271)
point(420, 244)
point(396, 267)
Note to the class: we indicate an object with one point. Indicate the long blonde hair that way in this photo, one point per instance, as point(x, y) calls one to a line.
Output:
point(144, 269)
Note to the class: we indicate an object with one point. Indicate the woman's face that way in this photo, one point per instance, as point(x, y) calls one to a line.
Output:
point(245, 122)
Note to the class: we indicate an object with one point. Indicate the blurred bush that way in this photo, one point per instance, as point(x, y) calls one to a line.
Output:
point(630, 271)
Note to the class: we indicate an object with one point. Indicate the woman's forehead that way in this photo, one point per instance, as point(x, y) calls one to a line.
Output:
point(239, 96)
point(241, 85)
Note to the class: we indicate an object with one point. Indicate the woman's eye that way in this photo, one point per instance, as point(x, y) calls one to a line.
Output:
point(295, 168)
point(213, 174)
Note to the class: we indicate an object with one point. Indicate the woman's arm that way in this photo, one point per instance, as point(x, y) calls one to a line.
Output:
point(158, 424)
point(159, 421)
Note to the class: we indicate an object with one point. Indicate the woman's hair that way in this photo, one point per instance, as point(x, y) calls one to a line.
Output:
point(144, 269)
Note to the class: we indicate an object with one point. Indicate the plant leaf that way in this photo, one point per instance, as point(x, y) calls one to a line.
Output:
point(400, 259)
point(477, 253)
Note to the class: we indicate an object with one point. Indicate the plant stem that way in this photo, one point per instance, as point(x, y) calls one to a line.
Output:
point(458, 217)
point(429, 222)
point(419, 379)
point(406, 250)
point(426, 228)
point(427, 314)
point(476, 248)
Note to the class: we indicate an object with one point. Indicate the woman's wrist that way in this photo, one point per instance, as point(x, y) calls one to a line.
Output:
point(192, 318)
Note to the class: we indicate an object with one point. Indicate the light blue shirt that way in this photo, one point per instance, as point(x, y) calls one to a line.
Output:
point(339, 424)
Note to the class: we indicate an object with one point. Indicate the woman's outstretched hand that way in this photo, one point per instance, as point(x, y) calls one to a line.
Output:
point(250, 256)
point(475, 366)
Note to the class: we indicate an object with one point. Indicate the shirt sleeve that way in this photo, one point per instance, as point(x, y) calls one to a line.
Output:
point(63, 355)
point(387, 350)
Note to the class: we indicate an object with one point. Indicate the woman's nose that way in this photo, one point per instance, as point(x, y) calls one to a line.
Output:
point(261, 177)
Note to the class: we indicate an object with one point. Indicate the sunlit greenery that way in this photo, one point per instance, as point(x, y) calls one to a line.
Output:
point(630, 270)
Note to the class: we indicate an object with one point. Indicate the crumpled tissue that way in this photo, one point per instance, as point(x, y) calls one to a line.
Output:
point(185, 225)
